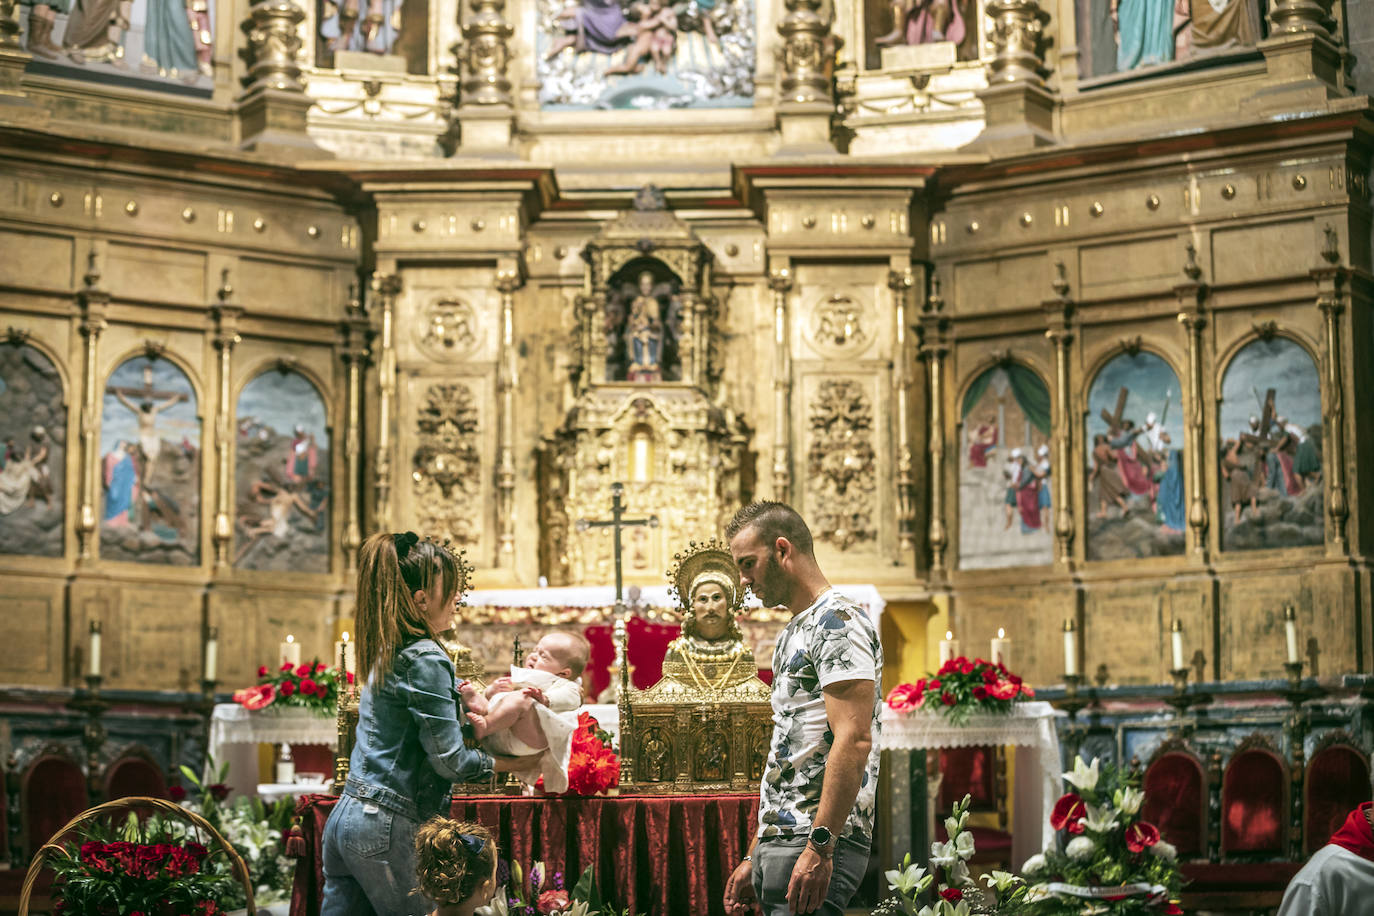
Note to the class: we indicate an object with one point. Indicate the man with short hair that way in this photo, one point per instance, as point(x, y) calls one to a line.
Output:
point(816, 800)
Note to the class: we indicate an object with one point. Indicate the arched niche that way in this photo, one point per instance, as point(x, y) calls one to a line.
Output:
point(150, 464)
point(33, 452)
point(1270, 447)
point(282, 455)
point(1133, 432)
point(1005, 488)
point(644, 323)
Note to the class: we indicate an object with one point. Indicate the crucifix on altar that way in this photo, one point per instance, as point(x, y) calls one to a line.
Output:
point(617, 522)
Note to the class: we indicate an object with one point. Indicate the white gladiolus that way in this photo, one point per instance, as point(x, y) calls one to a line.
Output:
point(1083, 777)
point(963, 846)
point(1080, 848)
point(1099, 820)
point(1035, 864)
point(943, 854)
point(1165, 850)
point(1129, 800)
point(958, 873)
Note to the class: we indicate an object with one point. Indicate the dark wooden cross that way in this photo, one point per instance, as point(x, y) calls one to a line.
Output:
point(617, 522)
point(1114, 420)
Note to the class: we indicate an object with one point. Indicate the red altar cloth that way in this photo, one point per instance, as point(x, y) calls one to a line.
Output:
point(658, 855)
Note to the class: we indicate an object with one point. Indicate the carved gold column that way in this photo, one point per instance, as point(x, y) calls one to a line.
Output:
point(780, 282)
point(356, 335)
point(1059, 317)
point(387, 287)
point(1018, 108)
point(901, 283)
point(94, 303)
point(485, 117)
point(1191, 300)
point(1331, 300)
point(507, 281)
point(272, 110)
point(803, 57)
point(933, 350)
point(15, 106)
point(226, 316)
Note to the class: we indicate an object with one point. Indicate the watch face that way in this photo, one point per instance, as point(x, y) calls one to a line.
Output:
point(821, 836)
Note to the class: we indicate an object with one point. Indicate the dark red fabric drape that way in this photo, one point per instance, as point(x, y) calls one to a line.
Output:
point(658, 855)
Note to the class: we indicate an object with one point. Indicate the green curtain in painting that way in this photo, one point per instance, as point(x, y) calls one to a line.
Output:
point(1031, 394)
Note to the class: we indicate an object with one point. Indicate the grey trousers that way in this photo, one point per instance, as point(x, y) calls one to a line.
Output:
point(774, 858)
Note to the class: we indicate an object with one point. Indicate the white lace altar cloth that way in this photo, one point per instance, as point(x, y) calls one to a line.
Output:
point(1029, 727)
point(235, 734)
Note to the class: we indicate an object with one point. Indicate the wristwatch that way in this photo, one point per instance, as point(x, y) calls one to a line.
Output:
point(823, 841)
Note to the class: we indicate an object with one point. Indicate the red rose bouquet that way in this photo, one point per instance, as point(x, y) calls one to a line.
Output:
point(312, 685)
point(961, 688)
point(593, 766)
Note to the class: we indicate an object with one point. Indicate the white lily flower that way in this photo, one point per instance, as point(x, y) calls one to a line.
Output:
point(1084, 778)
point(926, 911)
point(1080, 848)
point(1001, 880)
point(952, 909)
point(1100, 820)
point(497, 907)
point(963, 846)
point(1128, 800)
point(904, 881)
point(943, 854)
point(1165, 850)
point(1034, 864)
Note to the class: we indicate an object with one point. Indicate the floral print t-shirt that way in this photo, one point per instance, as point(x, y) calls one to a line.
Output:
point(830, 642)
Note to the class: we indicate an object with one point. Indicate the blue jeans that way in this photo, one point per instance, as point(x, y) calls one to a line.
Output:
point(369, 862)
point(774, 858)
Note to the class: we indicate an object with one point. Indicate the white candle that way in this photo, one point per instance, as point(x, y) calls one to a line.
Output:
point(1070, 649)
point(211, 653)
point(1177, 638)
point(291, 650)
point(93, 669)
point(949, 647)
point(346, 652)
point(1290, 632)
point(1001, 648)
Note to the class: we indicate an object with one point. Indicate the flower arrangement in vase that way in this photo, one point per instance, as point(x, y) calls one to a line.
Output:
point(960, 688)
point(313, 686)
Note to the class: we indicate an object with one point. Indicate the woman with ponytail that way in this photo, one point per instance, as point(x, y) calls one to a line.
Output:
point(455, 865)
point(409, 746)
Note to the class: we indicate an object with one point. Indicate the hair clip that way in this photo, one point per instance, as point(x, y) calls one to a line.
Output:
point(404, 542)
point(474, 844)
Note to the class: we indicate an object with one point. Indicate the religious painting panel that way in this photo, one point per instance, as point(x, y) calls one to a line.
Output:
point(1134, 432)
point(387, 36)
point(33, 430)
point(645, 54)
point(1005, 490)
point(149, 44)
point(281, 475)
point(1271, 457)
point(150, 465)
point(1118, 36)
point(643, 323)
point(921, 34)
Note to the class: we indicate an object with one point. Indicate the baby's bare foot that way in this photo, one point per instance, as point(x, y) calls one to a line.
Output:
point(479, 725)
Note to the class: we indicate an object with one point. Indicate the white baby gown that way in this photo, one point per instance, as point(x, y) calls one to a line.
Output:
point(558, 721)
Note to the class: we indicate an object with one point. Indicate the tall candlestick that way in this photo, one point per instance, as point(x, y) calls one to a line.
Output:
point(1176, 634)
point(1290, 631)
point(1070, 648)
point(1001, 649)
point(949, 647)
point(211, 653)
point(346, 653)
point(93, 668)
point(291, 650)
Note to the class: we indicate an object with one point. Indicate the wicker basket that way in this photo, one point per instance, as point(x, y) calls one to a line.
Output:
point(54, 844)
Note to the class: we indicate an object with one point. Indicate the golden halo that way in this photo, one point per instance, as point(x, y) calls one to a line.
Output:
point(698, 558)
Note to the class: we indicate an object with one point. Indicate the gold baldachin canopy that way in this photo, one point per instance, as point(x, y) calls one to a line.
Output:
point(710, 558)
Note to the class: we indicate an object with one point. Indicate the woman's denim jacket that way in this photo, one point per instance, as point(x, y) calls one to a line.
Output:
point(409, 748)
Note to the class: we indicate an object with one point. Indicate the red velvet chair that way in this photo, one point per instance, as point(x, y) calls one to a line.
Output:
point(1254, 802)
point(980, 773)
point(1175, 787)
point(52, 791)
point(134, 774)
point(1336, 782)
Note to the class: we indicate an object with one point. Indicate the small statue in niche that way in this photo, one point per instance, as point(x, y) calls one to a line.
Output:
point(712, 757)
point(919, 22)
point(381, 27)
point(644, 333)
point(655, 753)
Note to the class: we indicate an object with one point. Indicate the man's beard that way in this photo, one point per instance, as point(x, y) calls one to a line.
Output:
point(771, 585)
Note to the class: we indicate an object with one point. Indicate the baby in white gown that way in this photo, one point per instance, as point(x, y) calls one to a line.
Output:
point(509, 719)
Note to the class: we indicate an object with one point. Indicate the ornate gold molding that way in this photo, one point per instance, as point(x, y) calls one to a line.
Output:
point(94, 303)
point(354, 352)
point(1331, 301)
point(507, 281)
point(226, 316)
point(933, 349)
point(902, 282)
point(780, 282)
point(1059, 316)
point(388, 287)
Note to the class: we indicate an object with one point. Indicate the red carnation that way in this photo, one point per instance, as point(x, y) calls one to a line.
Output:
point(904, 697)
point(309, 687)
point(1067, 812)
point(980, 692)
point(989, 675)
point(303, 670)
point(1141, 836)
point(287, 688)
point(933, 684)
point(262, 671)
point(319, 669)
point(219, 791)
point(952, 894)
point(553, 901)
point(1014, 679)
point(176, 793)
point(966, 667)
point(286, 666)
point(947, 698)
point(350, 677)
point(947, 667)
